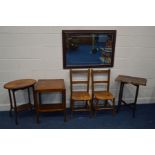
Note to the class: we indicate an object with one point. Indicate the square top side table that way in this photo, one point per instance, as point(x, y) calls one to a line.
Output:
point(50, 86)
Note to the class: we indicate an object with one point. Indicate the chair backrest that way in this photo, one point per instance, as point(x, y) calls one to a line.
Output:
point(79, 78)
point(100, 77)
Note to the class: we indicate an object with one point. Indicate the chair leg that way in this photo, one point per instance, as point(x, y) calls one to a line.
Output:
point(106, 103)
point(86, 105)
point(96, 106)
point(71, 107)
point(93, 106)
point(90, 108)
point(65, 116)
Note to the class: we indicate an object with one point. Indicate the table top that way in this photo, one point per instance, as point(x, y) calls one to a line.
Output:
point(50, 85)
point(20, 84)
point(131, 79)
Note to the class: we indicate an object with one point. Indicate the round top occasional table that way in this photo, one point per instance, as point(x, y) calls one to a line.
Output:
point(14, 86)
point(20, 84)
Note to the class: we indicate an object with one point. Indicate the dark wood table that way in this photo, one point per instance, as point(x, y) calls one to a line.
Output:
point(136, 81)
point(50, 86)
point(14, 86)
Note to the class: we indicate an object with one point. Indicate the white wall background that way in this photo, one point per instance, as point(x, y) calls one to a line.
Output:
point(36, 52)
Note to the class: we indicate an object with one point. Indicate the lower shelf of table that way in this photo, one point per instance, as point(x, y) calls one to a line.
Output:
point(51, 107)
point(23, 107)
point(130, 105)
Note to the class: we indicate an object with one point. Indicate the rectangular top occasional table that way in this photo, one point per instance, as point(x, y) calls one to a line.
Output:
point(136, 81)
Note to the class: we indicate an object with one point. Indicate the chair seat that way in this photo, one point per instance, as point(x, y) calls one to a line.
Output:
point(103, 95)
point(81, 96)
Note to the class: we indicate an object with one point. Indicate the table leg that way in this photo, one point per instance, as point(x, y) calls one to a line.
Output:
point(135, 101)
point(120, 95)
point(29, 98)
point(64, 102)
point(37, 113)
point(113, 106)
point(15, 106)
point(11, 105)
point(40, 101)
point(36, 107)
point(33, 95)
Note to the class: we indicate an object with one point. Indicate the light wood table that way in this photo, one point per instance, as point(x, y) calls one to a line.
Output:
point(50, 86)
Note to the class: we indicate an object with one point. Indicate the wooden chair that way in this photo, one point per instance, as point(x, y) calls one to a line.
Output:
point(79, 87)
point(100, 91)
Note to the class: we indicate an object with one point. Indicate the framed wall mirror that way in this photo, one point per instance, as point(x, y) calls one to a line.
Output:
point(88, 48)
